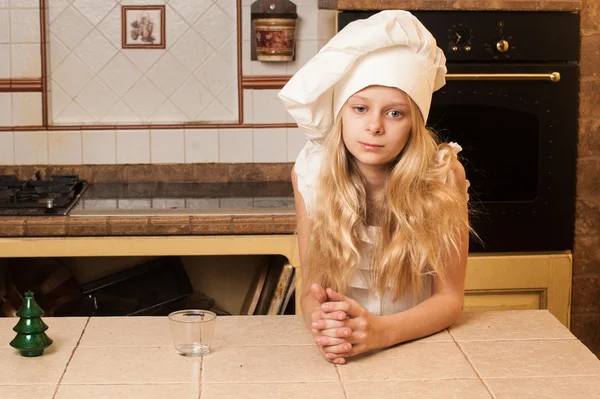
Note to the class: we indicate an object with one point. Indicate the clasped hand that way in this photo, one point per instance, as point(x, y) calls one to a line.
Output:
point(342, 327)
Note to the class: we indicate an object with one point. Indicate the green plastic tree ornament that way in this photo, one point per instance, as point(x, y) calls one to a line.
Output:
point(31, 339)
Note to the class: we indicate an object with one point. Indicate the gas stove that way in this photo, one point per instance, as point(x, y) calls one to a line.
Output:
point(37, 197)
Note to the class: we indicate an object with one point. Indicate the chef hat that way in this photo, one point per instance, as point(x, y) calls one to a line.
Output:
point(391, 48)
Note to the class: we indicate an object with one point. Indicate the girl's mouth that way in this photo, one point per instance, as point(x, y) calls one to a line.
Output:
point(369, 146)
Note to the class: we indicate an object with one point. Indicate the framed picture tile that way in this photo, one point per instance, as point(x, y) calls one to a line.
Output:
point(143, 27)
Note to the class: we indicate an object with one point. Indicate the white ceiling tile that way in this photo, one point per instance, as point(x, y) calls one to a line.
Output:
point(216, 74)
point(96, 99)
point(111, 27)
point(143, 59)
point(176, 26)
point(216, 112)
point(121, 113)
point(191, 50)
point(71, 27)
point(55, 7)
point(144, 98)
point(215, 26)
point(190, 10)
point(229, 97)
point(57, 51)
point(95, 51)
point(73, 114)
point(94, 10)
point(72, 75)
point(192, 98)
point(120, 74)
point(168, 74)
point(58, 99)
point(168, 112)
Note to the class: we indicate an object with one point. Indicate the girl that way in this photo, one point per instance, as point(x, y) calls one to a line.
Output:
point(381, 206)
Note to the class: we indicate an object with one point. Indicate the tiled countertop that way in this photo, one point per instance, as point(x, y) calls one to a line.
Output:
point(509, 354)
point(509, 5)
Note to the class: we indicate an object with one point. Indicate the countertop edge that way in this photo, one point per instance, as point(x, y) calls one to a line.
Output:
point(452, 5)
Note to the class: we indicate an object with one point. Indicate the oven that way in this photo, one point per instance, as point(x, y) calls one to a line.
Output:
point(511, 102)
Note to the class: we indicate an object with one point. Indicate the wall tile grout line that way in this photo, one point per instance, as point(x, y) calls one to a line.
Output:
point(471, 364)
point(70, 357)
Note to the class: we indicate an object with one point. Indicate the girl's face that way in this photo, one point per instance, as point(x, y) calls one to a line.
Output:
point(376, 124)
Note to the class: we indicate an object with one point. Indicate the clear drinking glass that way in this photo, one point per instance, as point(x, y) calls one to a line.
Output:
point(192, 331)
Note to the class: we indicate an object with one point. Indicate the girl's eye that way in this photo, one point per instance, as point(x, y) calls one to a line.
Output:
point(360, 109)
point(395, 114)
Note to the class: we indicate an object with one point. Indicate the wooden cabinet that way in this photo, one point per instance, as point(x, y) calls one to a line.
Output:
point(494, 281)
point(520, 281)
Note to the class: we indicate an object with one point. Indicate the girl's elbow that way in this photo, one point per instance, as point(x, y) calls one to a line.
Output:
point(456, 309)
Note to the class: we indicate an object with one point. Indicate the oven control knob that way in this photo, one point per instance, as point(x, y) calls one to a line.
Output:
point(502, 46)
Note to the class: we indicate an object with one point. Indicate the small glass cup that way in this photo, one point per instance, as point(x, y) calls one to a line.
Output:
point(192, 331)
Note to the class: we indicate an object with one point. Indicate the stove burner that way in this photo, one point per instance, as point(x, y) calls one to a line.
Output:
point(39, 197)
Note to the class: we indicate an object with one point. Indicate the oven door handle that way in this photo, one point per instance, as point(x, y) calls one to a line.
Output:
point(553, 77)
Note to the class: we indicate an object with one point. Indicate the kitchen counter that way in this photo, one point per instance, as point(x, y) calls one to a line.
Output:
point(508, 354)
point(508, 5)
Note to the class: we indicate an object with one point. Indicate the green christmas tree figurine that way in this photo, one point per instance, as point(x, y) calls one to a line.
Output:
point(31, 339)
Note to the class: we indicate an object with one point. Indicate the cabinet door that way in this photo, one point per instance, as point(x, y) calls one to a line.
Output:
point(504, 282)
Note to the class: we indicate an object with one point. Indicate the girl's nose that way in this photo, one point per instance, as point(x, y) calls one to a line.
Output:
point(374, 125)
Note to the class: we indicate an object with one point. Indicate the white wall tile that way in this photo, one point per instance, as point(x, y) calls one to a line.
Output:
point(201, 145)
point(6, 109)
point(167, 146)
point(305, 50)
point(7, 154)
point(296, 140)
point(270, 145)
point(4, 3)
point(4, 61)
point(24, 26)
point(306, 26)
point(235, 145)
point(27, 109)
point(4, 26)
point(64, 148)
point(99, 147)
point(327, 24)
point(133, 146)
point(267, 107)
point(248, 104)
point(24, 3)
point(25, 61)
point(31, 148)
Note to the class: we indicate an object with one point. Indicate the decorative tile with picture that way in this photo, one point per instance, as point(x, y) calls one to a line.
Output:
point(143, 27)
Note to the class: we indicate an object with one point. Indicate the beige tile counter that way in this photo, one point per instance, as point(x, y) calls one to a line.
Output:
point(509, 354)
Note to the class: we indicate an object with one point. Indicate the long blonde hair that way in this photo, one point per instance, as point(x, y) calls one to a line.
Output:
point(421, 216)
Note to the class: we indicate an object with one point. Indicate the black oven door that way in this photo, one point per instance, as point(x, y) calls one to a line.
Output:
point(518, 132)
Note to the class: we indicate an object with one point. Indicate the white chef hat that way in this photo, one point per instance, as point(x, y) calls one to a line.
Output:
point(391, 48)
